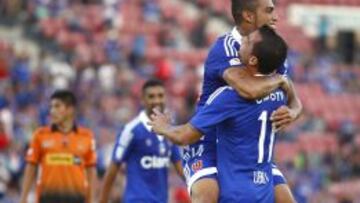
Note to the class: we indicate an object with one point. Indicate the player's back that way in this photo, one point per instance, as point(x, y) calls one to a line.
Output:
point(252, 125)
point(245, 143)
point(245, 148)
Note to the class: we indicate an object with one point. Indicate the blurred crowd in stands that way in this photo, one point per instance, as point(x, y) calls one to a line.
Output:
point(104, 50)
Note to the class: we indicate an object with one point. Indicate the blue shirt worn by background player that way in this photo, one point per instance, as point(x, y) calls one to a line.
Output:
point(245, 143)
point(147, 157)
point(222, 55)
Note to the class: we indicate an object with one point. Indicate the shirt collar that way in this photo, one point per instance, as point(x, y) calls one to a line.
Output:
point(144, 118)
point(55, 128)
point(237, 36)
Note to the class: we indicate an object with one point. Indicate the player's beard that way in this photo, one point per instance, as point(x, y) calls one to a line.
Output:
point(161, 108)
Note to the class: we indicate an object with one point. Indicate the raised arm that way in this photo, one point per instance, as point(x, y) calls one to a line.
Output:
point(285, 115)
point(179, 135)
point(249, 86)
point(219, 107)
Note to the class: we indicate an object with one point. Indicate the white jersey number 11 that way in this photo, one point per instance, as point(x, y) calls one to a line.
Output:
point(263, 118)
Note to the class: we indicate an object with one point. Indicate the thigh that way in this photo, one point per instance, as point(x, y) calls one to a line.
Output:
point(281, 188)
point(205, 190)
point(283, 194)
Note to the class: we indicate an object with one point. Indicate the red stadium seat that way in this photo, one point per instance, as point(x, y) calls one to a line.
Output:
point(285, 151)
point(318, 142)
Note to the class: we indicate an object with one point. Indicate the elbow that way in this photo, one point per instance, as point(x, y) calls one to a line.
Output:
point(181, 141)
point(301, 109)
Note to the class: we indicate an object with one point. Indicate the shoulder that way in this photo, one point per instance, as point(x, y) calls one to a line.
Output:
point(128, 132)
point(42, 131)
point(222, 94)
point(132, 125)
point(225, 46)
point(85, 132)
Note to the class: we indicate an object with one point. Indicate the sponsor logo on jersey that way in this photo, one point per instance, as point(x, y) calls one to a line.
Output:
point(154, 162)
point(59, 159)
point(260, 178)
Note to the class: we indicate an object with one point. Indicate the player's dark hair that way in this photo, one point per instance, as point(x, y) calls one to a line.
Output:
point(152, 83)
point(271, 50)
point(65, 96)
point(239, 6)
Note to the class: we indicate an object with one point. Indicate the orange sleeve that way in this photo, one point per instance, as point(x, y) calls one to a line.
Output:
point(34, 151)
point(90, 156)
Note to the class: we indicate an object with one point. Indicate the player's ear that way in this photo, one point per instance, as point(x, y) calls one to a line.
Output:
point(248, 17)
point(142, 100)
point(253, 60)
point(72, 110)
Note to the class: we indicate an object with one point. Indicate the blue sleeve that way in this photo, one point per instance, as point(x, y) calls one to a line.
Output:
point(175, 154)
point(284, 69)
point(123, 146)
point(221, 105)
point(225, 55)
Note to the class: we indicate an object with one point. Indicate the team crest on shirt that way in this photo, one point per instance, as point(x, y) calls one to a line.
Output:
point(198, 165)
point(47, 143)
point(148, 142)
point(81, 147)
point(235, 62)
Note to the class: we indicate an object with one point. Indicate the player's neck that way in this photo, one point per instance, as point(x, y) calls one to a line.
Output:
point(148, 113)
point(244, 29)
point(252, 70)
point(66, 126)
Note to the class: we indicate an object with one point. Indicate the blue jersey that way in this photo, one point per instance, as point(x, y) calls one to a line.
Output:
point(245, 142)
point(147, 157)
point(222, 55)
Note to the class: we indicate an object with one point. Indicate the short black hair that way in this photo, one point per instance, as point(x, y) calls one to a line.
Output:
point(65, 96)
point(239, 6)
point(152, 83)
point(271, 50)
